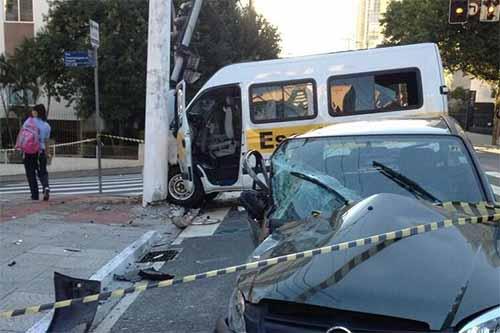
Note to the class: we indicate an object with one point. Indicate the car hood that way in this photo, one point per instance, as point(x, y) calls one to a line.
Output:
point(440, 278)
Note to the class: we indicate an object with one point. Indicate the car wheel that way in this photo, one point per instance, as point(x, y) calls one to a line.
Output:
point(179, 195)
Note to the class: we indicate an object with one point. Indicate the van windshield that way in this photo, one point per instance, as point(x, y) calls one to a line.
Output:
point(425, 167)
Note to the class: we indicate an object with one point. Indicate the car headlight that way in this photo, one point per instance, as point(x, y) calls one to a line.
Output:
point(235, 318)
point(486, 323)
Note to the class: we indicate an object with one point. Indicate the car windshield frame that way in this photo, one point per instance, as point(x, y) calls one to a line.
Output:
point(465, 149)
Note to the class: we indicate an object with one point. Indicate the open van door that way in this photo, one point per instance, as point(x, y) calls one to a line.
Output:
point(184, 138)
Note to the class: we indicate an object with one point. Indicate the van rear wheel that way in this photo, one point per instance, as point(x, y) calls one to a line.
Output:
point(177, 192)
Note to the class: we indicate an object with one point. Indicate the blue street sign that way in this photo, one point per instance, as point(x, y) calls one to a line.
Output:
point(78, 59)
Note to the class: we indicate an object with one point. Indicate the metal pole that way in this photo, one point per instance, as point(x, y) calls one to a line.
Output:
point(97, 119)
point(186, 39)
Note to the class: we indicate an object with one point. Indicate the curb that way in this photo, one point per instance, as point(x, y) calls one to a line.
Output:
point(117, 265)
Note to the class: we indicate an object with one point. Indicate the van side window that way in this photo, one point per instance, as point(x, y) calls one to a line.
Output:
point(375, 92)
point(284, 101)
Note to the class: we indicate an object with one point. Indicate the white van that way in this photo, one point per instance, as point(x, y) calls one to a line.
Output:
point(256, 105)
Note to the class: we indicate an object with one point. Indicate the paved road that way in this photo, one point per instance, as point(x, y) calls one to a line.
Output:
point(196, 306)
point(130, 184)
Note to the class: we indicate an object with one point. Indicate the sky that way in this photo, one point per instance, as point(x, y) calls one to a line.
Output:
point(311, 26)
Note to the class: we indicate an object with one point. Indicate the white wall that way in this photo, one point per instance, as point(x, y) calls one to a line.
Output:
point(40, 8)
point(2, 35)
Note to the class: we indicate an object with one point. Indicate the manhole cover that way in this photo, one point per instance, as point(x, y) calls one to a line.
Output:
point(165, 255)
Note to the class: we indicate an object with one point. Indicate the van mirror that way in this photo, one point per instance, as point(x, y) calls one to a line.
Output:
point(256, 204)
point(254, 165)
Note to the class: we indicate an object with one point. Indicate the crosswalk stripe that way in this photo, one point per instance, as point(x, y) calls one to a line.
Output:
point(70, 185)
point(496, 189)
point(74, 181)
point(493, 174)
point(76, 188)
point(126, 185)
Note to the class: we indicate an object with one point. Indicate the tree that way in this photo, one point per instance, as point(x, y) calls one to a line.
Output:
point(229, 33)
point(226, 33)
point(19, 75)
point(473, 48)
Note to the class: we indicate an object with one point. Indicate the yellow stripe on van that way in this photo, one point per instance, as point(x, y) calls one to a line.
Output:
point(266, 140)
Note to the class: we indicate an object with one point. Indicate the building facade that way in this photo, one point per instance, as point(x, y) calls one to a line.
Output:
point(368, 28)
point(21, 19)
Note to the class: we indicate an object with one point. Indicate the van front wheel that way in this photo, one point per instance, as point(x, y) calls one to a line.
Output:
point(177, 192)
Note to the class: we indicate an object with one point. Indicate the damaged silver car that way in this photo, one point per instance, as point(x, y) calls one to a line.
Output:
point(354, 180)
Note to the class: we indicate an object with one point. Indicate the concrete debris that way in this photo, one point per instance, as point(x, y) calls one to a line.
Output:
point(204, 220)
point(186, 220)
point(102, 208)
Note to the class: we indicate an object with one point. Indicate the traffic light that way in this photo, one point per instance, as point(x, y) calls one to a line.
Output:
point(459, 10)
point(490, 11)
point(180, 21)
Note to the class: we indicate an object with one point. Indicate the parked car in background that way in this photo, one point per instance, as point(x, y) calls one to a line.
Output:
point(353, 180)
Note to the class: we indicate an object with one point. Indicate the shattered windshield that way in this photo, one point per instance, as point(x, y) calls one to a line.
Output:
point(429, 164)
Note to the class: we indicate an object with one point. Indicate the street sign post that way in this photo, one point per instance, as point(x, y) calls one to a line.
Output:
point(94, 41)
point(78, 59)
point(94, 34)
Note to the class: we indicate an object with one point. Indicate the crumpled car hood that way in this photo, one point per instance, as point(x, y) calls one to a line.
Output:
point(439, 278)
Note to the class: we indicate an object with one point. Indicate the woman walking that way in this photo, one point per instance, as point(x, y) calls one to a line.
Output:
point(34, 142)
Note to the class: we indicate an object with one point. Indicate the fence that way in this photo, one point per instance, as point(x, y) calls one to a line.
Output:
point(117, 152)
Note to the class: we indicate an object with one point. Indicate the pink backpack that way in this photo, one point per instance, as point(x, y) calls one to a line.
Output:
point(28, 138)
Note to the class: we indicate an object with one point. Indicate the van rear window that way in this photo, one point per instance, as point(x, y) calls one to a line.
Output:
point(282, 101)
point(375, 92)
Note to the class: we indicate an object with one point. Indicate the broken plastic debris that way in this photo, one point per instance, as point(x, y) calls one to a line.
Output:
point(18, 242)
point(147, 273)
point(102, 208)
point(72, 250)
point(153, 274)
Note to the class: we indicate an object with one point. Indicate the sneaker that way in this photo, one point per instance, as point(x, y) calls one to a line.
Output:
point(46, 194)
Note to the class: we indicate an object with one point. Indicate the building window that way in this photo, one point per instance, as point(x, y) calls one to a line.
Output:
point(283, 101)
point(375, 92)
point(18, 10)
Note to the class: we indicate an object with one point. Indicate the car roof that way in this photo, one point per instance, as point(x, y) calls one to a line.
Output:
point(433, 125)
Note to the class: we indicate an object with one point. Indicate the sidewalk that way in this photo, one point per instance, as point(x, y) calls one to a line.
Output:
point(76, 236)
point(71, 164)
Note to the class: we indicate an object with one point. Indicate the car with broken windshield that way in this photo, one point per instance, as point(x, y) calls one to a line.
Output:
point(354, 180)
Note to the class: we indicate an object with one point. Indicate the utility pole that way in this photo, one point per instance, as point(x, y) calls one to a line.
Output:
point(496, 116)
point(155, 172)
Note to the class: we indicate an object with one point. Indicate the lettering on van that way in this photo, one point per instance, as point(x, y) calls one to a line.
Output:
point(266, 140)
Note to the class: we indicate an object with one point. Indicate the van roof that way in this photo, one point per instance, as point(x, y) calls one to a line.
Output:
point(432, 125)
point(337, 63)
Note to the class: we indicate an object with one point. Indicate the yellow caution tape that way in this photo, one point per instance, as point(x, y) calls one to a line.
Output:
point(492, 214)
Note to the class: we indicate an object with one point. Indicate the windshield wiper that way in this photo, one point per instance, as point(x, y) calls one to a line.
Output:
point(405, 182)
point(318, 182)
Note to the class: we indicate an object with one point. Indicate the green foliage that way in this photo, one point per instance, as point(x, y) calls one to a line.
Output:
point(459, 93)
point(473, 48)
point(228, 33)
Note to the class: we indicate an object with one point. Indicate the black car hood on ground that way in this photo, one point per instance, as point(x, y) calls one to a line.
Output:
point(439, 278)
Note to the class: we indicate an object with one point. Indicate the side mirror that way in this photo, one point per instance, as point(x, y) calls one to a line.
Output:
point(253, 164)
point(256, 204)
